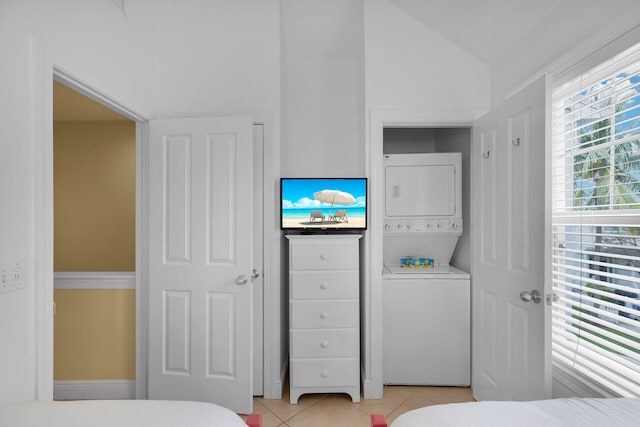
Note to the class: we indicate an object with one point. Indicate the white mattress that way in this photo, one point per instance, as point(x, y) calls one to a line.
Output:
point(548, 413)
point(117, 413)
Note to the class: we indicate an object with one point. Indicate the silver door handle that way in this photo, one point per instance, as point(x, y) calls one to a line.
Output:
point(534, 295)
point(241, 280)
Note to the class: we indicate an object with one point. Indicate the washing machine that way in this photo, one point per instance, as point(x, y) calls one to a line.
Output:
point(426, 326)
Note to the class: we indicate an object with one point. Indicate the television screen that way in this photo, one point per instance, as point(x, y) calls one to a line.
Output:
point(323, 203)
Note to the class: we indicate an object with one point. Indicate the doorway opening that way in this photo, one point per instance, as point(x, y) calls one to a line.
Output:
point(94, 203)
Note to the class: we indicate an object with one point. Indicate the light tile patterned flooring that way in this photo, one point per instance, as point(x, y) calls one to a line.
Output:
point(337, 409)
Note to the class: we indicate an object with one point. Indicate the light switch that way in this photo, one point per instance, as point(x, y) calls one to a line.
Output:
point(17, 271)
point(11, 276)
point(5, 280)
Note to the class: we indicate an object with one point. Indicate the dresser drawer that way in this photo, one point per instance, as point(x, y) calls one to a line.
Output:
point(324, 372)
point(325, 343)
point(324, 314)
point(325, 255)
point(324, 284)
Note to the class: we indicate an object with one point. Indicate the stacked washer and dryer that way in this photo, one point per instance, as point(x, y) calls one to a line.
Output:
point(426, 311)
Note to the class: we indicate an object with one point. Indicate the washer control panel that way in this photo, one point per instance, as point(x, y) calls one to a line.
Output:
point(422, 225)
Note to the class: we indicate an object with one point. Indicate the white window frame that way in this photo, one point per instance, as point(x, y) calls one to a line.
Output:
point(583, 366)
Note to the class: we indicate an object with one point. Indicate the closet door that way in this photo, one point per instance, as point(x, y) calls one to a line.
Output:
point(511, 354)
point(200, 260)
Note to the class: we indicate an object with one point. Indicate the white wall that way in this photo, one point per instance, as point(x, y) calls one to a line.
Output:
point(323, 88)
point(411, 67)
point(15, 232)
point(215, 56)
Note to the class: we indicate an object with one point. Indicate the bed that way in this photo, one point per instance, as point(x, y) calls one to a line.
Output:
point(121, 413)
point(548, 413)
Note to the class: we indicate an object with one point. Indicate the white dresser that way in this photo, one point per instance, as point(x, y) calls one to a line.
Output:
point(324, 319)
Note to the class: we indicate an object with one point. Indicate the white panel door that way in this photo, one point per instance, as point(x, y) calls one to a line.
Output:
point(510, 358)
point(200, 256)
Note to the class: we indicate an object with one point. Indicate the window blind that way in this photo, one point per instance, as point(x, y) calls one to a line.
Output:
point(596, 224)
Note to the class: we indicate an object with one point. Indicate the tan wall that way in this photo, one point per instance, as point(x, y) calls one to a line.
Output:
point(94, 196)
point(94, 334)
point(94, 230)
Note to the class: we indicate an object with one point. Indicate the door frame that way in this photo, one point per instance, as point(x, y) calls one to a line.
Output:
point(372, 350)
point(43, 182)
point(45, 71)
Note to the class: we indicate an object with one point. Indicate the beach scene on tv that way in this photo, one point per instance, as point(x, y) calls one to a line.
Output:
point(324, 203)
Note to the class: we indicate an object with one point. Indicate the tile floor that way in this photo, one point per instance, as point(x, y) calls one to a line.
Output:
point(338, 410)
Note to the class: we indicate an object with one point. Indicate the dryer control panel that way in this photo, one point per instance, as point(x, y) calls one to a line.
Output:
point(423, 225)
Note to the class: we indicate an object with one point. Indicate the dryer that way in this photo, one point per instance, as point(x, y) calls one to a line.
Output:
point(423, 193)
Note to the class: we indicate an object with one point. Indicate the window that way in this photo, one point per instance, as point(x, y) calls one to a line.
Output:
point(596, 225)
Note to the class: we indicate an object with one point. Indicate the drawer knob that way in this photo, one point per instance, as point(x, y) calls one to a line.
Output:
point(324, 315)
point(324, 373)
point(323, 257)
point(324, 344)
point(323, 286)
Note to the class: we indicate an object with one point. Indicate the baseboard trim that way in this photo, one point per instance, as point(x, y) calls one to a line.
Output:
point(368, 389)
point(277, 386)
point(94, 389)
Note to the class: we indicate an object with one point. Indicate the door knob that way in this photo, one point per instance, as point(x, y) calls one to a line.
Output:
point(241, 280)
point(534, 296)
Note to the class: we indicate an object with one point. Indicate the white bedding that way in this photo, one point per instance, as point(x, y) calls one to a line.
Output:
point(117, 413)
point(548, 413)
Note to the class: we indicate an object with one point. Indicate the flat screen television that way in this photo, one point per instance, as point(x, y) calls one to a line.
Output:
point(338, 204)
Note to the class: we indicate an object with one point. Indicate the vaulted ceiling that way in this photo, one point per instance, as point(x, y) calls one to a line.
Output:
point(491, 29)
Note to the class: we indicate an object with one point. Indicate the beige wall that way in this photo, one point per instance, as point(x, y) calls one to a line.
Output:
point(94, 231)
point(94, 334)
point(94, 196)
